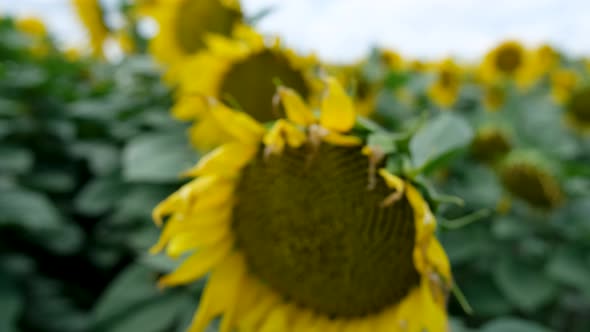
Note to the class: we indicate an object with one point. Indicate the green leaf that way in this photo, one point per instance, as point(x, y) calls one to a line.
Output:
point(28, 209)
point(524, 285)
point(132, 286)
point(512, 325)
point(103, 158)
point(99, 196)
point(569, 266)
point(439, 139)
point(485, 298)
point(155, 315)
point(11, 304)
point(15, 160)
point(157, 158)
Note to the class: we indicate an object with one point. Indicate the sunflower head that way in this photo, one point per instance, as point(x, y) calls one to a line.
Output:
point(32, 26)
point(302, 228)
point(528, 176)
point(185, 25)
point(392, 59)
point(563, 83)
point(445, 89)
point(490, 144)
point(508, 60)
point(578, 109)
point(508, 57)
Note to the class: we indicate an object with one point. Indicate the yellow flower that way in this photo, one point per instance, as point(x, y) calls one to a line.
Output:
point(32, 26)
point(243, 73)
point(578, 110)
point(184, 26)
point(392, 59)
point(35, 28)
point(445, 89)
point(365, 93)
point(563, 84)
point(91, 15)
point(509, 60)
point(283, 222)
point(529, 177)
point(546, 59)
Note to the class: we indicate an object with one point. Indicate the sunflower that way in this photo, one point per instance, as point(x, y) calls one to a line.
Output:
point(445, 89)
point(243, 73)
point(578, 109)
point(32, 26)
point(528, 176)
point(563, 84)
point(184, 25)
point(509, 60)
point(352, 77)
point(490, 144)
point(393, 60)
point(91, 16)
point(36, 30)
point(297, 232)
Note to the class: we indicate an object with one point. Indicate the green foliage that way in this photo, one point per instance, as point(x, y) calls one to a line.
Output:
point(87, 149)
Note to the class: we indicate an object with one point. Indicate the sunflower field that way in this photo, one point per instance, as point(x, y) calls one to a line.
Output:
point(209, 178)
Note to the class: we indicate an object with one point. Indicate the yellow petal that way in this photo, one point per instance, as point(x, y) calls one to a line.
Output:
point(277, 321)
point(341, 140)
point(183, 197)
point(220, 293)
point(283, 132)
point(218, 197)
point(189, 108)
point(419, 312)
point(296, 109)
point(252, 319)
point(238, 124)
point(424, 220)
point(392, 181)
point(274, 140)
point(338, 112)
point(196, 238)
point(197, 265)
point(167, 234)
point(226, 159)
point(208, 133)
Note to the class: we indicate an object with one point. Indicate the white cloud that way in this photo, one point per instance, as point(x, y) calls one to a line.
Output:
point(345, 29)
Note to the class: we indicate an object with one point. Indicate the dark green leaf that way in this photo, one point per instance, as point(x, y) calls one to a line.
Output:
point(526, 286)
point(438, 139)
point(157, 158)
point(513, 325)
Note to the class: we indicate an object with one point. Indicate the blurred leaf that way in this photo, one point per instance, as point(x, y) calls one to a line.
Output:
point(11, 304)
point(153, 316)
point(99, 196)
point(16, 160)
point(569, 266)
point(9, 107)
point(132, 286)
point(438, 140)
point(103, 157)
point(512, 325)
point(485, 298)
point(528, 288)
point(28, 209)
point(52, 180)
point(157, 158)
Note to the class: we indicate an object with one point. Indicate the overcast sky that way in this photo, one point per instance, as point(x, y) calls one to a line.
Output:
point(343, 30)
